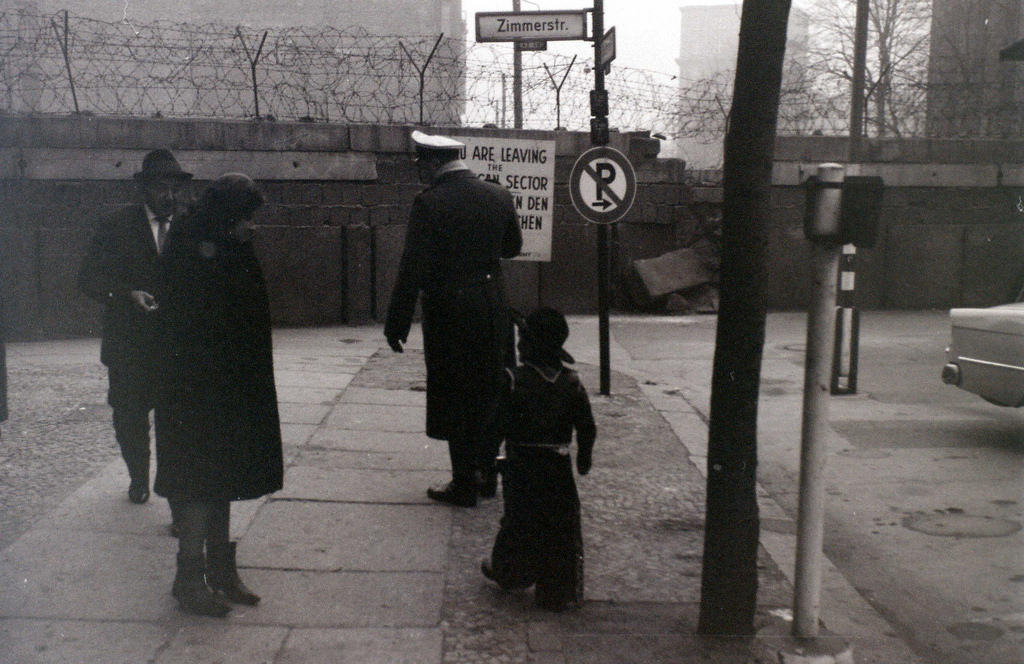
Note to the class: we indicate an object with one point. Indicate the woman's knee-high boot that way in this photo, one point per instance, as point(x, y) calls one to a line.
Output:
point(222, 574)
point(191, 591)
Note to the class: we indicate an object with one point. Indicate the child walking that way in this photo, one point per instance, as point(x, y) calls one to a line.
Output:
point(540, 541)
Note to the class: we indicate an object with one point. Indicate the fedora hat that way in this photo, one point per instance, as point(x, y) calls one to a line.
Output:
point(547, 330)
point(160, 164)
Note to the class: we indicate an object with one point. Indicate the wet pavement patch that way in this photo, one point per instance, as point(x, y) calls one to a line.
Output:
point(864, 453)
point(960, 525)
point(680, 525)
point(910, 434)
point(781, 526)
point(975, 631)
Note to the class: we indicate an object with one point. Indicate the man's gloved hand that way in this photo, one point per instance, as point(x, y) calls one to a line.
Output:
point(583, 463)
point(395, 343)
point(143, 300)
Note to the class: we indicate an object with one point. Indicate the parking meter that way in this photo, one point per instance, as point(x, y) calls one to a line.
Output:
point(843, 210)
point(860, 210)
point(821, 214)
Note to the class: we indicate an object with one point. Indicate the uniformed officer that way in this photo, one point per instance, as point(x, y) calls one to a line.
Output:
point(459, 229)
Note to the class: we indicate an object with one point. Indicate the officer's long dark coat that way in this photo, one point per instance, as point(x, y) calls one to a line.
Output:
point(459, 228)
point(121, 257)
point(3, 366)
point(218, 434)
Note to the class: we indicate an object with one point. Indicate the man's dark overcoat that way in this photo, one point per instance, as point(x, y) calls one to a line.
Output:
point(218, 434)
point(459, 228)
point(121, 257)
point(3, 366)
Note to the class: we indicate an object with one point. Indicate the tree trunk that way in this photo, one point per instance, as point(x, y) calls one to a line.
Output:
point(729, 577)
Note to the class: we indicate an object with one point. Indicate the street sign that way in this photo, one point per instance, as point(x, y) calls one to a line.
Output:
point(538, 45)
point(526, 167)
point(531, 26)
point(602, 185)
point(608, 49)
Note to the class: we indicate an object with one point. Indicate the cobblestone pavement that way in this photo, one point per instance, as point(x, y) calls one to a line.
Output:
point(643, 530)
point(59, 432)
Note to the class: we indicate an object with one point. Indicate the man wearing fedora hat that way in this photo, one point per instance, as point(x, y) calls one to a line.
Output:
point(459, 229)
point(118, 271)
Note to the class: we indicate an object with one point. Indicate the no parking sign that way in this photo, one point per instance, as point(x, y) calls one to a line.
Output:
point(602, 185)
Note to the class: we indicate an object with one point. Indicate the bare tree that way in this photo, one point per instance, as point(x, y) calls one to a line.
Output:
point(897, 60)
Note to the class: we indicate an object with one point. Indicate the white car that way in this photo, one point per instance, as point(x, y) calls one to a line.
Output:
point(986, 354)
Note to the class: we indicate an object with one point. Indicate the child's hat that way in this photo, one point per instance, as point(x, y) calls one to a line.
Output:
point(546, 329)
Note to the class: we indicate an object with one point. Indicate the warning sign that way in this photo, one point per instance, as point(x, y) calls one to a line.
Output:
point(527, 169)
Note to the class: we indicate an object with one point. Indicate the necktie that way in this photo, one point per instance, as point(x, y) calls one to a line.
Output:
point(161, 232)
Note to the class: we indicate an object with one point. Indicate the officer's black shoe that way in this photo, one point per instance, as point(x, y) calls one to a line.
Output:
point(487, 484)
point(487, 570)
point(453, 494)
point(138, 492)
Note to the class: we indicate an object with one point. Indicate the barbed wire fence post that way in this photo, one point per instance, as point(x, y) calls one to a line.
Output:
point(187, 70)
point(558, 91)
point(422, 71)
point(62, 40)
point(253, 61)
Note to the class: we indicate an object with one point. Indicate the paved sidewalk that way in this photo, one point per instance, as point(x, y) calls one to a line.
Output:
point(356, 565)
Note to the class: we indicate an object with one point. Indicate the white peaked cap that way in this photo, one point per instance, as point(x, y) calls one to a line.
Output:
point(435, 142)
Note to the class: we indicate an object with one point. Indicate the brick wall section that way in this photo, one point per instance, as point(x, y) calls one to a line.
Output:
point(329, 246)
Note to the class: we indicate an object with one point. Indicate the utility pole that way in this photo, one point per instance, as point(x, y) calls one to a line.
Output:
point(599, 136)
point(517, 78)
point(857, 101)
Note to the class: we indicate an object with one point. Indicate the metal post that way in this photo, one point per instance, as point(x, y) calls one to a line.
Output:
point(603, 285)
point(517, 78)
point(814, 430)
point(422, 71)
point(63, 41)
point(254, 60)
point(846, 351)
point(504, 100)
point(857, 101)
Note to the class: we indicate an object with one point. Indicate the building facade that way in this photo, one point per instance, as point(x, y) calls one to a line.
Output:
point(379, 17)
point(971, 93)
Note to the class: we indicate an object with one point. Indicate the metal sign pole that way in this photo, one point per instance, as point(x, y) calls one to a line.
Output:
point(815, 428)
point(517, 79)
point(599, 136)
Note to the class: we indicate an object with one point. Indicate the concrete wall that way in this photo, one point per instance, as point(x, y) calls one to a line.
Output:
point(331, 234)
point(951, 231)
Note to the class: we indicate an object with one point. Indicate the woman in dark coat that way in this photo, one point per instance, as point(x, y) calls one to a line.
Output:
point(218, 435)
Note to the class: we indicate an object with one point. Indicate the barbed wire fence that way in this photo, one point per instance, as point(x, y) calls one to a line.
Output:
point(59, 64)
